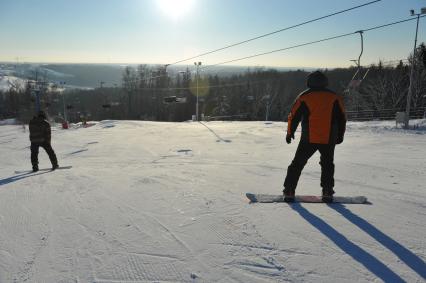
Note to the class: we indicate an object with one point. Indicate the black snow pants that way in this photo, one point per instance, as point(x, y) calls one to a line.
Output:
point(303, 153)
point(49, 150)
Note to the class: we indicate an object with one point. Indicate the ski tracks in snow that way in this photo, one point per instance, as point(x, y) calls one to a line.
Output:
point(146, 250)
point(251, 258)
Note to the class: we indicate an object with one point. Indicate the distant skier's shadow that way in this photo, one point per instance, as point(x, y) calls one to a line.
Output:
point(78, 151)
point(15, 178)
point(363, 257)
point(405, 255)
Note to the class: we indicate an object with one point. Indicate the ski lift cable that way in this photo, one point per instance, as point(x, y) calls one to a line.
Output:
point(309, 43)
point(291, 47)
point(390, 24)
point(358, 62)
point(278, 50)
point(277, 31)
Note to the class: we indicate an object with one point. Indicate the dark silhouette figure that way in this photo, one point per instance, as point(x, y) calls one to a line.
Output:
point(322, 115)
point(40, 136)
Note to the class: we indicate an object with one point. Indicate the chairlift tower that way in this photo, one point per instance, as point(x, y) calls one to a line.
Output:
point(36, 92)
point(197, 64)
point(410, 88)
point(39, 86)
point(64, 103)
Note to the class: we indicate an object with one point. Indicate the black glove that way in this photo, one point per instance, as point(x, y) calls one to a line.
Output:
point(288, 138)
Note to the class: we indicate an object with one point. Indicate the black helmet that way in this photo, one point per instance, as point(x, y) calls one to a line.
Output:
point(41, 114)
point(317, 80)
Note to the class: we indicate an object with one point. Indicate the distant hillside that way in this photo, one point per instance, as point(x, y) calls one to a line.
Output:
point(8, 82)
point(74, 75)
point(91, 75)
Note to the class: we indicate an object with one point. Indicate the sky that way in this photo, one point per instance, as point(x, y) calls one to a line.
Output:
point(167, 31)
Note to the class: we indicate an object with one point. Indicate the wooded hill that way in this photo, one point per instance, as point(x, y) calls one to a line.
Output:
point(150, 93)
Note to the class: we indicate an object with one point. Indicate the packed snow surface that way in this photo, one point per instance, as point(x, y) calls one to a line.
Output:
point(165, 202)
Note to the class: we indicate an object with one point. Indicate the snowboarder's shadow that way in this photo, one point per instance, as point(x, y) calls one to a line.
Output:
point(370, 262)
point(404, 254)
point(15, 178)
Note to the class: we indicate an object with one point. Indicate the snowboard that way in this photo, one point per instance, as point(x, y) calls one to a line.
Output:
point(43, 169)
point(265, 198)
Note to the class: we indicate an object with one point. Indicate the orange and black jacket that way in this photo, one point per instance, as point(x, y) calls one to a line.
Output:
point(322, 114)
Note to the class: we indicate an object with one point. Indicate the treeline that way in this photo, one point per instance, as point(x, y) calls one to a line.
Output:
point(150, 93)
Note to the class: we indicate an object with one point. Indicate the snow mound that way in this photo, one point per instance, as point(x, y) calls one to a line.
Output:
point(417, 126)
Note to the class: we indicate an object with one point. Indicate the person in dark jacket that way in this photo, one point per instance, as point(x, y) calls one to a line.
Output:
point(40, 136)
point(322, 115)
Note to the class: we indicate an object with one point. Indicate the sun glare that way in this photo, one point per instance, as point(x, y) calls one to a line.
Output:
point(175, 9)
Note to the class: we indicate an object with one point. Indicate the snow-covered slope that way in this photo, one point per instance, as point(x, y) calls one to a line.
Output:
point(165, 202)
point(7, 82)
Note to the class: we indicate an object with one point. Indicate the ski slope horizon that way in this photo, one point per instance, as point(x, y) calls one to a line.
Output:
point(165, 202)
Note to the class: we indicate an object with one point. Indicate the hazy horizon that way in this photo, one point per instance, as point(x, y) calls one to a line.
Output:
point(164, 31)
point(155, 64)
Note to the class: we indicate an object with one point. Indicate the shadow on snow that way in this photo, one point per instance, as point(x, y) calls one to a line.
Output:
point(220, 139)
point(367, 260)
point(405, 255)
point(15, 178)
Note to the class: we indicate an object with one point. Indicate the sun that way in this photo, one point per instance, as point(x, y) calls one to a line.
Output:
point(175, 9)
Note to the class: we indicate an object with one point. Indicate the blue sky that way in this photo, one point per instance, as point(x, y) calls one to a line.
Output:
point(149, 31)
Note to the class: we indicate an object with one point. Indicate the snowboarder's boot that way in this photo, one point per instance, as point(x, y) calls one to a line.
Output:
point(288, 195)
point(55, 166)
point(327, 195)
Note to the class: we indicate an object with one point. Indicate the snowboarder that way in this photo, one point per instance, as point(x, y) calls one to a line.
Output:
point(40, 135)
point(322, 115)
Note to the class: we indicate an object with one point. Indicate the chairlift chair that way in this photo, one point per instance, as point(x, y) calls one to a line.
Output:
point(174, 99)
point(357, 78)
point(169, 99)
point(180, 99)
